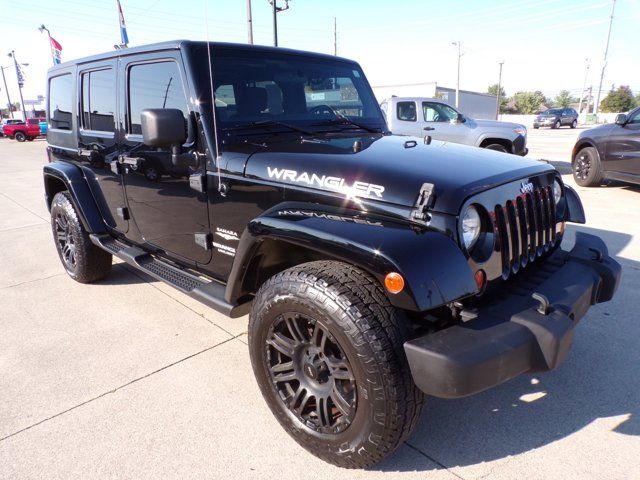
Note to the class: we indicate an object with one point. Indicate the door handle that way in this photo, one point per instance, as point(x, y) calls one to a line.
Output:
point(428, 129)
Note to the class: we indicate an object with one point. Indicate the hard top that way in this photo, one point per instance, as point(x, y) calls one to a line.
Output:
point(181, 44)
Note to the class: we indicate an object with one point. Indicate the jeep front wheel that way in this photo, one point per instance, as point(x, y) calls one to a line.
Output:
point(83, 261)
point(326, 347)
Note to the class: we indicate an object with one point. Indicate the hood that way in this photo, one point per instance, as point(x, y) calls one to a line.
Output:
point(389, 169)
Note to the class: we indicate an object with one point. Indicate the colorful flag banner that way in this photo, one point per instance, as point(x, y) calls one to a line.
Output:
point(20, 75)
point(56, 51)
point(123, 26)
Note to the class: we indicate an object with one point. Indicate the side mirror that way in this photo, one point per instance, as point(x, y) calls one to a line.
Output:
point(621, 119)
point(164, 127)
point(460, 118)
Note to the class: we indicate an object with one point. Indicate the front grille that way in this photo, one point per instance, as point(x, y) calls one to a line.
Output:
point(525, 229)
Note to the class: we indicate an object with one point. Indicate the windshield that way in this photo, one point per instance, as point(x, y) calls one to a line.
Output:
point(303, 91)
point(553, 111)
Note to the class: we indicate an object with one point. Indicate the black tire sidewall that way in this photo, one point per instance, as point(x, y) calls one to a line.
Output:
point(496, 147)
point(20, 137)
point(557, 124)
point(594, 177)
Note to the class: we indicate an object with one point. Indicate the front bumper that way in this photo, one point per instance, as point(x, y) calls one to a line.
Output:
point(520, 146)
point(546, 122)
point(518, 333)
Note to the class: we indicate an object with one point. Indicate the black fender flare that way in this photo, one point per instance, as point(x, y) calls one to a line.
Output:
point(73, 179)
point(435, 270)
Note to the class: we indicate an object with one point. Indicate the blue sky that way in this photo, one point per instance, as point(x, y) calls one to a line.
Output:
point(544, 43)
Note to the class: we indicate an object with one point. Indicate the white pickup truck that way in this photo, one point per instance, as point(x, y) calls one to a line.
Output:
point(419, 117)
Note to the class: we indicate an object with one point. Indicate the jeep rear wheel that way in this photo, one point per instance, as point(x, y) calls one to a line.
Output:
point(587, 170)
point(327, 350)
point(83, 261)
point(20, 137)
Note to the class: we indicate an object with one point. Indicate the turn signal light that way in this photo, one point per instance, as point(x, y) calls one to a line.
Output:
point(394, 282)
point(481, 279)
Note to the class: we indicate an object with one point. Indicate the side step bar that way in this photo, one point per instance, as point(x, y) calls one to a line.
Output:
point(210, 293)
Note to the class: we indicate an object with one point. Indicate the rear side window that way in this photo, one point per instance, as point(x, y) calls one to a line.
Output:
point(406, 111)
point(60, 89)
point(98, 100)
point(154, 85)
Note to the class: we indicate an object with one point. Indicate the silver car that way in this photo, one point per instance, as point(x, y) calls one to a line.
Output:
point(431, 117)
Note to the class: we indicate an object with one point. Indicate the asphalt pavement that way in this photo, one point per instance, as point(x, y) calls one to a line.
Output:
point(128, 378)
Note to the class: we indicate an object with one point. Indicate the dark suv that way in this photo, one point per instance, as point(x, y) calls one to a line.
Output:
point(609, 152)
point(556, 118)
point(374, 268)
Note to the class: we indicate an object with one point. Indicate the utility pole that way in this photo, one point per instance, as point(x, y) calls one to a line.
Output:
point(4, 79)
point(604, 62)
point(498, 93)
point(335, 36)
point(459, 45)
point(249, 23)
point(276, 10)
point(15, 62)
point(584, 84)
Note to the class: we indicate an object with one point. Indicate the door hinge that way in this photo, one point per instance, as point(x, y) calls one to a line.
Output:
point(424, 202)
point(198, 182)
point(204, 240)
point(123, 213)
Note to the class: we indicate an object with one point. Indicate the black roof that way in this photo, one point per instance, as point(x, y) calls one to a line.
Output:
point(178, 44)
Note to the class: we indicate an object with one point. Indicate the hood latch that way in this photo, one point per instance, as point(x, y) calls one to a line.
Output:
point(424, 202)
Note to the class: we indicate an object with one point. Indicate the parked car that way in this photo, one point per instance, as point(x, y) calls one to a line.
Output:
point(556, 118)
point(432, 117)
point(22, 131)
point(374, 268)
point(9, 121)
point(609, 152)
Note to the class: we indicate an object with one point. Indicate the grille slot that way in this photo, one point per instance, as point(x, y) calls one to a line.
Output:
point(525, 228)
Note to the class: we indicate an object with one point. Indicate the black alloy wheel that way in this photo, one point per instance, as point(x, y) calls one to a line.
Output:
point(587, 170)
point(66, 243)
point(311, 373)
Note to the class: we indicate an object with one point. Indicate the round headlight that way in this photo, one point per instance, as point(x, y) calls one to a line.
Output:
point(470, 227)
point(557, 191)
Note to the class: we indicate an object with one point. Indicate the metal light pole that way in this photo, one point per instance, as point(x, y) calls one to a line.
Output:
point(4, 79)
point(249, 23)
point(277, 10)
point(335, 36)
point(42, 28)
point(584, 85)
point(459, 45)
point(604, 62)
point(499, 92)
point(15, 62)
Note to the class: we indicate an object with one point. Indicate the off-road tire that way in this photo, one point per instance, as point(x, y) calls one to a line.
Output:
point(587, 168)
point(20, 137)
point(497, 147)
point(352, 307)
point(90, 262)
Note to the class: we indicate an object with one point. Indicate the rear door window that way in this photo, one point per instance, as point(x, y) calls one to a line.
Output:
point(98, 100)
point(406, 111)
point(60, 102)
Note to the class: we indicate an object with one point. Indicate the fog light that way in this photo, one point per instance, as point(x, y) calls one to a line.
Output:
point(394, 282)
point(481, 279)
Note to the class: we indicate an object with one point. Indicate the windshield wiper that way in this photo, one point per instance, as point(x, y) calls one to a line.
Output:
point(348, 122)
point(267, 124)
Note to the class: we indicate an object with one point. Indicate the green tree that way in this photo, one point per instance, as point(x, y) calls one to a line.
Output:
point(618, 100)
point(493, 90)
point(564, 99)
point(529, 102)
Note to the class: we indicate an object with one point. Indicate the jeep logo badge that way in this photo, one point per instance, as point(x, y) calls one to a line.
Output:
point(526, 187)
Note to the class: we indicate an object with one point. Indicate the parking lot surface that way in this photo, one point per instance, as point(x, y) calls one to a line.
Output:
point(128, 378)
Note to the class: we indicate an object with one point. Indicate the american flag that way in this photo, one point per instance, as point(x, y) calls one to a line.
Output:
point(123, 26)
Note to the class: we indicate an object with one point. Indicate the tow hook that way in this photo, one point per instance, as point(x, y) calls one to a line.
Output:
point(543, 307)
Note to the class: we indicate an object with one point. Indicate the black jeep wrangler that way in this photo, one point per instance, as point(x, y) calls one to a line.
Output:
point(374, 268)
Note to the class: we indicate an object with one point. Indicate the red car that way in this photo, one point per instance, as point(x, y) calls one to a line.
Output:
point(22, 131)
